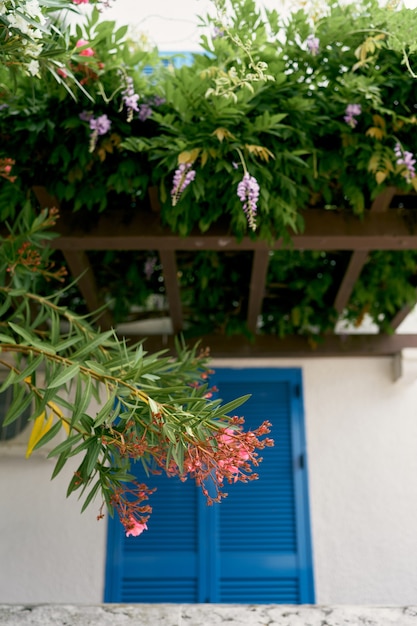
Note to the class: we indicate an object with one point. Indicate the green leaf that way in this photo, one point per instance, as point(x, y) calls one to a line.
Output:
point(92, 455)
point(106, 410)
point(65, 446)
point(82, 399)
point(21, 401)
point(231, 406)
point(63, 458)
point(91, 495)
point(33, 365)
point(63, 377)
point(22, 332)
point(49, 435)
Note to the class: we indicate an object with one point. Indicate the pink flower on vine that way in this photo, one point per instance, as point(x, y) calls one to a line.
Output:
point(86, 52)
point(80, 1)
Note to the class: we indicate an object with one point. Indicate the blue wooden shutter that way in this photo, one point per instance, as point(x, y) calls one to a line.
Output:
point(252, 548)
point(164, 564)
point(263, 546)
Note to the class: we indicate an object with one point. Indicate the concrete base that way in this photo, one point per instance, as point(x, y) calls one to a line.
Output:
point(205, 615)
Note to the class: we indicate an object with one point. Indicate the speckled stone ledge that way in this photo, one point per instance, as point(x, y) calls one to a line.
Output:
point(204, 615)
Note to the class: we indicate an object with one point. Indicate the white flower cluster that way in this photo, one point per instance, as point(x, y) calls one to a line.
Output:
point(26, 22)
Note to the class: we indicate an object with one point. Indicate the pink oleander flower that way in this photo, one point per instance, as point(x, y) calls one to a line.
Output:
point(183, 176)
point(407, 159)
point(87, 52)
point(313, 44)
point(248, 193)
point(352, 111)
point(134, 528)
point(128, 500)
point(80, 1)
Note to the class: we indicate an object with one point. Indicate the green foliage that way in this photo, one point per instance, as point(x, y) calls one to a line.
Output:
point(290, 133)
point(115, 403)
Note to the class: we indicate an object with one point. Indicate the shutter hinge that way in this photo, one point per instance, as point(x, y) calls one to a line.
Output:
point(297, 391)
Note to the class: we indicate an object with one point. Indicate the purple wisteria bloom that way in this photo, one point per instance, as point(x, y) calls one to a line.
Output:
point(313, 44)
point(217, 33)
point(352, 111)
point(183, 176)
point(101, 125)
point(85, 116)
point(248, 193)
point(130, 98)
point(157, 101)
point(144, 111)
point(149, 266)
point(405, 158)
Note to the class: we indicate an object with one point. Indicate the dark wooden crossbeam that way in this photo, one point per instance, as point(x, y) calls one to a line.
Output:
point(299, 346)
point(394, 229)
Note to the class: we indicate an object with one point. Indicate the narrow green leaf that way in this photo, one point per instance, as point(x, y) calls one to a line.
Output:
point(63, 458)
point(6, 339)
point(90, 346)
point(33, 365)
point(169, 433)
point(65, 446)
point(82, 399)
point(106, 410)
point(91, 495)
point(96, 368)
point(22, 332)
point(83, 446)
point(10, 379)
point(49, 435)
point(67, 374)
point(67, 343)
point(231, 406)
point(93, 453)
point(21, 401)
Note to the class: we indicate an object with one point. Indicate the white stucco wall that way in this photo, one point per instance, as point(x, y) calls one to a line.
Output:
point(362, 457)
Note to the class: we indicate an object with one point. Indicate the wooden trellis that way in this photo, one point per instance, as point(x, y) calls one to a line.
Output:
point(386, 225)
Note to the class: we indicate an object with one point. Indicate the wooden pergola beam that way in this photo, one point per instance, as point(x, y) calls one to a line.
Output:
point(400, 316)
point(257, 287)
point(324, 230)
point(80, 268)
point(293, 346)
point(170, 274)
point(356, 263)
point(359, 257)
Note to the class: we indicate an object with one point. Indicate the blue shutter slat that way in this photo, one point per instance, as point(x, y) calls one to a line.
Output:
point(284, 590)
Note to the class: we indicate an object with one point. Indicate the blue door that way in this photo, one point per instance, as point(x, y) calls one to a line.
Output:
point(255, 546)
